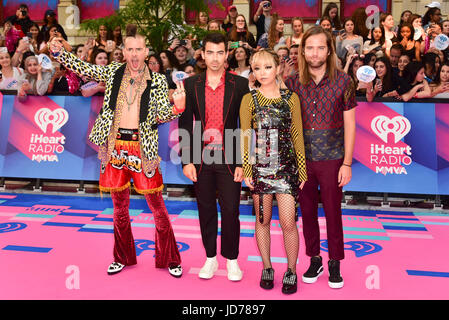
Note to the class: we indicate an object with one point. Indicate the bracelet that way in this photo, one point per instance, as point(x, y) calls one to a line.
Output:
point(348, 165)
point(176, 110)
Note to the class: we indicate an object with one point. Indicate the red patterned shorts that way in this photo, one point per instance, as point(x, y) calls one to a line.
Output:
point(126, 164)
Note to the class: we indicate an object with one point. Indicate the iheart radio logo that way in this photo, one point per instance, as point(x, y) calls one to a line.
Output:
point(391, 156)
point(382, 126)
point(57, 118)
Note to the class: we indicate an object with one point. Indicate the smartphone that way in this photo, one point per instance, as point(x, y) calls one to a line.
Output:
point(29, 35)
point(378, 82)
point(335, 32)
point(234, 45)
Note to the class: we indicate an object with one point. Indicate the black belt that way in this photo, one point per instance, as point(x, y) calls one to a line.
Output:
point(128, 134)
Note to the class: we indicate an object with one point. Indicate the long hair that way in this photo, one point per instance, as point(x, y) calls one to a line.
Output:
point(336, 21)
point(331, 62)
point(427, 16)
point(387, 83)
point(412, 32)
point(382, 37)
point(411, 70)
point(359, 18)
point(273, 34)
point(234, 35)
point(437, 80)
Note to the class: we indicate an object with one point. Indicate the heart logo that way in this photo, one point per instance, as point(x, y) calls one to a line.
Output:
point(45, 116)
point(382, 126)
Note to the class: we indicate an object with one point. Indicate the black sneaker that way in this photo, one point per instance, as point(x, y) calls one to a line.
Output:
point(289, 283)
point(315, 270)
point(335, 279)
point(266, 281)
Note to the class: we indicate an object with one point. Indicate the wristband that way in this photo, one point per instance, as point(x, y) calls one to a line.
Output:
point(348, 165)
point(176, 110)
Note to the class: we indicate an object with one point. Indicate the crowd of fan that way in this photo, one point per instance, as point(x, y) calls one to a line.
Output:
point(404, 56)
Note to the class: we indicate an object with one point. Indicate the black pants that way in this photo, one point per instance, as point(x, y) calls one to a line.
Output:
point(213, 179)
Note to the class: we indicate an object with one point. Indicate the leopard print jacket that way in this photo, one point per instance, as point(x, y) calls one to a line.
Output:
point(155, 105)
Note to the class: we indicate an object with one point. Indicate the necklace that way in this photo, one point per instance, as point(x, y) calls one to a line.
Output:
point(133, 82)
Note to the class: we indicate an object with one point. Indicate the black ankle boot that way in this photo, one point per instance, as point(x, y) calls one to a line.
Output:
point(290, 282)
point(266, 281)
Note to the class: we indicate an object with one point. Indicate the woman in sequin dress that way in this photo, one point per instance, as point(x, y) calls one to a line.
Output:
point(277, 168)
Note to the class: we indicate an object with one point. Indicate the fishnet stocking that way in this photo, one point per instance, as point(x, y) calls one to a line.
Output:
point(287, 214)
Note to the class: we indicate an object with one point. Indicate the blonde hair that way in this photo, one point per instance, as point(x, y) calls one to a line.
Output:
point(268, 55)
point(331, 61)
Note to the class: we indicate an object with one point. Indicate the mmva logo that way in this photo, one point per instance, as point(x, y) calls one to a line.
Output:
point(57, 118)
point(399, 126)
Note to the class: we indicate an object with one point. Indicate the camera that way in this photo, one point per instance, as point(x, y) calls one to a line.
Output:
point(24, 12)
point(182, 42)
point(267, 5)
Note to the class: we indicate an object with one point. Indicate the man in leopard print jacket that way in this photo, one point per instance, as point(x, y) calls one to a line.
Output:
point(135, 102)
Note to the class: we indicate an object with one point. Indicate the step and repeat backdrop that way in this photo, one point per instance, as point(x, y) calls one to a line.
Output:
point(400, 147)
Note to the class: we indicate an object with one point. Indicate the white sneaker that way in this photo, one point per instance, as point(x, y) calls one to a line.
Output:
point(234, 272)
point(209, 268)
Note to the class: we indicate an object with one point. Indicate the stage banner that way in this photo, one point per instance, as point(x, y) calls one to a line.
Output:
point(395, 149)
point(44, 137)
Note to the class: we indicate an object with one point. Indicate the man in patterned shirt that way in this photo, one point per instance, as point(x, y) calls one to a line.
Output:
point(327, 98)
point(135, 101)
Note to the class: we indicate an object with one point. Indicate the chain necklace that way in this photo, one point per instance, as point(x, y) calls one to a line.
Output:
point(132, 83)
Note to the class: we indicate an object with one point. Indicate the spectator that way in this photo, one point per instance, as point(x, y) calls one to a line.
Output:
point(432, 15)
point(420, 35)
point(405, 16)
point(396, 52)
point(58, 83)
point(387, 22)
point(298, 31)
point(21, 21)
point(116, 55)
point(370, 59)
point(240, 33)
point(415, 83)
point(376, 44)
point(213, 25)
point(433, 31)
point(262, 18)
point(155, 63)
point(275, 35)
point(445, 27)
point(99, 57)
point(383, 84)
point(189, 70)
point(440, 87)
point(353, 63)
point(411, 47)
point(404, 60)
point(359, 17)
point(35, 80)
point(54, 31)
point(50, 20)
point(36, 37)
point(432, 64)
point(169, 65)
point(103, 36)
point(78, 51)
point(326, 23)
point(291, 64)
point(181, 53)
point(10, 75)
point(331, 11)
point(240, 62)
point(201, 20)
point(348, 42)
point(229, 21)
point(117, 37)
point(283, 52)
point(11, 36)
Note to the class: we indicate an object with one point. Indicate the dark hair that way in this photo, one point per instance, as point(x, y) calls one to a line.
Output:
point(411, 70)
point(387, 84)
point(95, 53)
point(233, 61)
point(429, 59)
point(336, 22)
point(412, 30)
point(23, 6)
point(429, 12)
point(359, 18)
point(60, 30)
point(351, 65)
point(397, 46)
point(171, 58)
point(215, 37)
point(382, 37)
point(437, 79)
point(368, 57)
point(159, 60)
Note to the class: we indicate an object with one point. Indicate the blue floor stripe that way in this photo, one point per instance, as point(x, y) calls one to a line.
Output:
point(404, 228)
point(428, 273)
point(103, 219)
point(406, 219)
point(27, 249)
point(96, 230)
point(75, 214)
point(63, 224)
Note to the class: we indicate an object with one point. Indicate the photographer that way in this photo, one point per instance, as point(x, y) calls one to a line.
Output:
point(21, 20)
point(262, 18)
